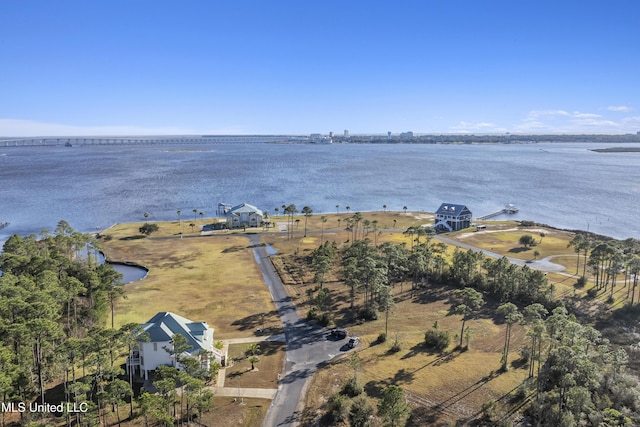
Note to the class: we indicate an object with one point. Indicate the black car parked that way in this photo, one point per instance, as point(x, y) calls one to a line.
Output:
point(338, 333)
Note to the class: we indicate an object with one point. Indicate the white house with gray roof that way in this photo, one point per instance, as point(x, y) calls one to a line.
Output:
point(244, 214)
point(452, 217)
point(160, 328)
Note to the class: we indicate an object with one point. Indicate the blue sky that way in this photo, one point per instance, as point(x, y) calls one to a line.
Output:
point(264, 67)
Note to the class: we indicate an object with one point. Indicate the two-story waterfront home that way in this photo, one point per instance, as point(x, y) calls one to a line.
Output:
point(244, 215)
point(152, 353)
point(452, 217)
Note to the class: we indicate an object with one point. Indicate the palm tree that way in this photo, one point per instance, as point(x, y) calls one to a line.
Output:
point(470, 302)
point(337, 209)
point(254, 349)
point(195, 215)
point(511, 316)
point(290, 210)
point(253, 360)
point(348, 208)
point(405, 209)
point(201, 215)
point(146, 215)
point(384, 207)
point(307, 211)
point(323, 219)
point(577, 243)
point(180, 221)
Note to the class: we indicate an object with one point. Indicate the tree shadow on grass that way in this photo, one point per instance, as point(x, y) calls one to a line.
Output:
point(257, 320)
point(403, 377)
point(519, 250)
point(374, 388)
point(466, 391)
point(423, 416)
point(432, 293)
point(232, 249)
point(133, 237)
point(415, 350)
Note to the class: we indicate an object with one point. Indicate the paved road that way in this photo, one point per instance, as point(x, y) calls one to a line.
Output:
point(541, 264)
point(308, 347)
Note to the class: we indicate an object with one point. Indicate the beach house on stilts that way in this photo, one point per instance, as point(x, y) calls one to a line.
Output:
point(452, 217)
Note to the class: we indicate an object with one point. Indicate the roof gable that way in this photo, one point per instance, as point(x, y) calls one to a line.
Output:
point(165, 324)
point(244, 208)
point(453, 209)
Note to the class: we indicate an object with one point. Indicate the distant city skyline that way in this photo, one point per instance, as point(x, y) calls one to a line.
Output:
point(158, 68)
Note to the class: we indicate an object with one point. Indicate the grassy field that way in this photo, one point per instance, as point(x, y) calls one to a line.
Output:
point(209, 278)
point(265, 372)
point(459, 381)
point(203, 278)
point(226, 411)
point(441, 388)
point(193, 277)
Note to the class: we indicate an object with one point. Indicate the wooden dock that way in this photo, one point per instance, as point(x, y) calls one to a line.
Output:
point(509, 209)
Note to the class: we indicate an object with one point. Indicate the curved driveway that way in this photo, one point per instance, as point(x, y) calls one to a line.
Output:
point(541, 264)
point(307, 346)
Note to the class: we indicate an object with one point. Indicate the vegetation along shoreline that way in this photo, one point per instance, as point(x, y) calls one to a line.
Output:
point(446, 334)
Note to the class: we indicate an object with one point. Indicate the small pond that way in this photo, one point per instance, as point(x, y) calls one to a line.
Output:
point(130, 273)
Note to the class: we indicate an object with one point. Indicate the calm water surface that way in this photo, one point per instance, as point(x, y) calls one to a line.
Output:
point(93, 187)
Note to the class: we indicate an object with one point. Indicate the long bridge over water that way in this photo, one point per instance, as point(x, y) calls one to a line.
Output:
point(150, 140)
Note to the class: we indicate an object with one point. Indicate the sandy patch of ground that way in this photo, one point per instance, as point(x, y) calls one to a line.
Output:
point(424, 216)
point(501, 230)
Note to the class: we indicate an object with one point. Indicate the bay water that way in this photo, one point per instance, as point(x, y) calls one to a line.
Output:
point(565, 185)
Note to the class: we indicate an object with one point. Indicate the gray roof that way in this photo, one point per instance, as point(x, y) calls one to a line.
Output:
point(244, 208)
point(165, 324)
point(452, 209)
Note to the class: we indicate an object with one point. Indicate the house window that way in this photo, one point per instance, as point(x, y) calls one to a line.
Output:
point(155, 346)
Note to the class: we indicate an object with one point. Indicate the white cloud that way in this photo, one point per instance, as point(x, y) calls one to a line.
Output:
point(599, 123)
point(481, 127)
point(28, 128)
point(620, 108)
point(579, 115)
point(561, 121)
point(535, 114)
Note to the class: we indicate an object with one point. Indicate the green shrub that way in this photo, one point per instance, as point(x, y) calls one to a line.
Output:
point(147, 228)
point(337, 408)
point(361, 412)
point(436, 339)
point(592, 293)
point(351, 388)
point(324, 319)
point(368, 314)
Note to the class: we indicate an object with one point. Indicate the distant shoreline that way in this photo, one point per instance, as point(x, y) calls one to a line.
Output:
point(617, 150)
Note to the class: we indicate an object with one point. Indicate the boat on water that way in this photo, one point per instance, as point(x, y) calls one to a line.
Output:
point(68, 144)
